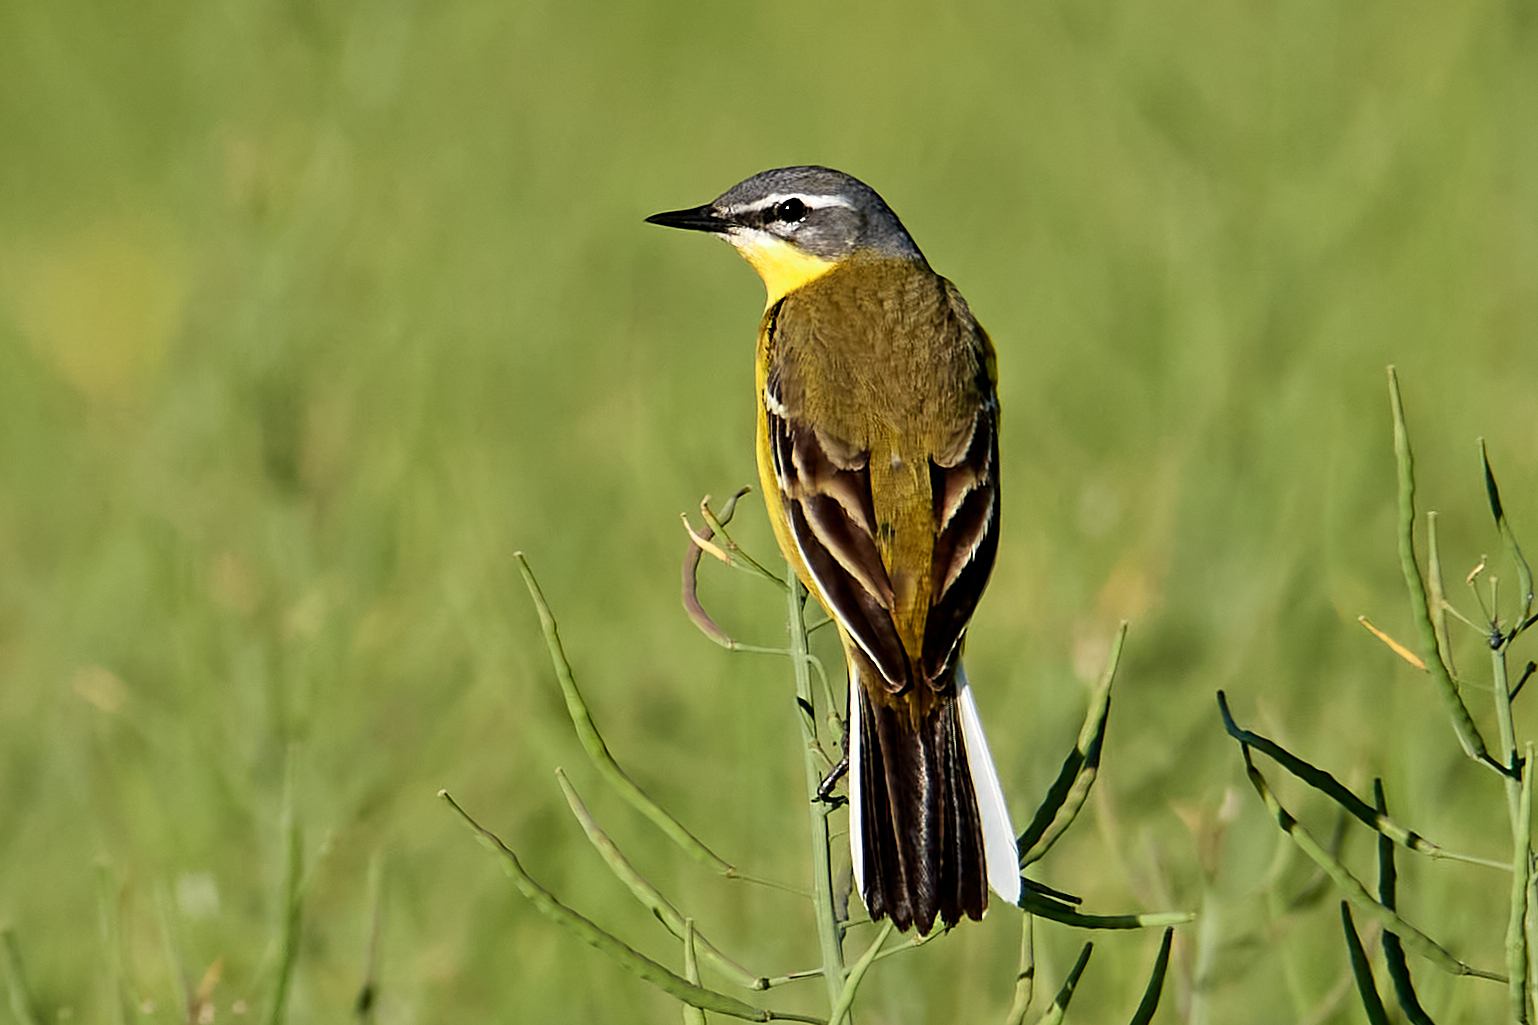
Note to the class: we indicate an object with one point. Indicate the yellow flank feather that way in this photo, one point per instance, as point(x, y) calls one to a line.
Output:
point(774, 499)
point(783, 266)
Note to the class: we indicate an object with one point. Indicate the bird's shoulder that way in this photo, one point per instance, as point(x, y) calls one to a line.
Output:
point(888, 339)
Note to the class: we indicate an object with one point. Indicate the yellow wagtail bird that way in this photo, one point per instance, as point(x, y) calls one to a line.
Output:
point(878, 454)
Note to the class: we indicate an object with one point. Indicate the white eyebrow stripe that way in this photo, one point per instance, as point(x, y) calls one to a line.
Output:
point(811, 200)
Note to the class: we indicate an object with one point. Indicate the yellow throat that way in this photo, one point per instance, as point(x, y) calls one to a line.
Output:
point(783, 267)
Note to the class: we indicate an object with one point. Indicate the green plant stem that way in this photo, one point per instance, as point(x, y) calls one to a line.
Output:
point(1067, 795)
point(593, 743)
point(1361, 967)
point(1332, 788)
point(1438, 595)
point(857, 972)
point(1059, 1006)
point(1508, 731)
point(1524, 571)
point(1463, 724)
point(1025, 978)
point(1352, 889)
point(1045, 907)
point(913, 944)
point(1532, 925)
point(1393, 949)
point(1150, 1002)
point(1518, 790)
point(692, 1015)
point(829, 935)
point(733, 554)
point(1521, 865)
point(546, 903)
point(650, 896)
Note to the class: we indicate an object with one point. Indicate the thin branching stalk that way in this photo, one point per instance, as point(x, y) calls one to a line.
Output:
point(1521, 863)
point(1361, 967)
point(598, 751)
point(1025, 978)
point(824, 909)
point(547, 904)
point(1527, 674)
point(1463, 724)
point(1506, 727)
point(1150, 1002)
point(650, 897)
point(856, 975)
point(1531, 925)
point(716, 525)
point(1438, 596)
point(1393, 949)
point(726, 550)
point(1430, 611)
point(1517, 799)
point(1352, 889)
point(1059, 1006)
point(788, 977)
point(1518, 779)
point(1332, 788)
point(1066, 797)
point(699, 542)
point(1045, 907)
point(692, 1015)
point(911, 944)
point(1524, 572)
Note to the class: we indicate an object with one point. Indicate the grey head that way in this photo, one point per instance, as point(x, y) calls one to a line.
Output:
point(823, 212)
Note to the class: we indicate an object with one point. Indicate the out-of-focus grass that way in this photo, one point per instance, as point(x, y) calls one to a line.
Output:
point(310, 315)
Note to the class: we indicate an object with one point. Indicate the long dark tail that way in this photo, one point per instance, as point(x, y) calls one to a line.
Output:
point(921, 840)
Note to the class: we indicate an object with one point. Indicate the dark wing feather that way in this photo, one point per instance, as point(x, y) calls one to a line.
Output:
point(829, 508)
point(966, 506)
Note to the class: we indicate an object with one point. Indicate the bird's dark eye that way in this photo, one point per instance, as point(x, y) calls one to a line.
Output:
point(790, 211)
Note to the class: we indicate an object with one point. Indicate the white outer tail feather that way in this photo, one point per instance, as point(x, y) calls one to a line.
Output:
point(1000, 853)
point(856, 829)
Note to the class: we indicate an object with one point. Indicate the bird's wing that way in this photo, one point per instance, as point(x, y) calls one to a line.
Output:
point(965, 490)
point(831, 515)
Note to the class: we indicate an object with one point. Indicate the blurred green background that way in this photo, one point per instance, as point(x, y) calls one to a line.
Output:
point(312, 314)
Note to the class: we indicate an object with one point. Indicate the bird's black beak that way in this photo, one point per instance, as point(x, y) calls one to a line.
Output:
point(699, 218)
